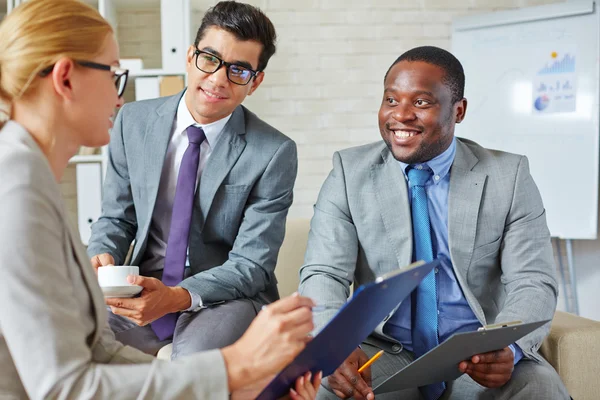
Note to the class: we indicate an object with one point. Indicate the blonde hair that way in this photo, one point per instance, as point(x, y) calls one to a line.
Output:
point(36, 34)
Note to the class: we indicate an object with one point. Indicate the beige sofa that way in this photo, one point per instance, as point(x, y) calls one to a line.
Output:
point(573, 347)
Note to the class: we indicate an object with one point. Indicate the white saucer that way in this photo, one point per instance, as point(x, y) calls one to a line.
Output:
point(120, 291)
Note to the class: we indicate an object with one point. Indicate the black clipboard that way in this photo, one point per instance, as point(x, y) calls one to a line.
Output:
point(369, 305)
point(441, 363)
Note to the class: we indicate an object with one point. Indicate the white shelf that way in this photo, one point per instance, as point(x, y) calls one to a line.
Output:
point(137, 3)
point(86, 159)
point(153, 72)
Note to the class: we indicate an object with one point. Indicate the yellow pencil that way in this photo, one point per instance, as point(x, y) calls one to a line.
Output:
point(371, 361)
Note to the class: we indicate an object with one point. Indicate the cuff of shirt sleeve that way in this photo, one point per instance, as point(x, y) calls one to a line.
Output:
point(196, 301)
point(516, 352)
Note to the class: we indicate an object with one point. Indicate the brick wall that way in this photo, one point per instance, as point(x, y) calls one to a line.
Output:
point(138, 34)
point(324, 86)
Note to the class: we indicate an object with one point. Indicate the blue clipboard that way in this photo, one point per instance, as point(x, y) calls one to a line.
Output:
point(369, 305)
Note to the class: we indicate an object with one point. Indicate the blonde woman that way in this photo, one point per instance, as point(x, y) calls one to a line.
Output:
point(60, 83)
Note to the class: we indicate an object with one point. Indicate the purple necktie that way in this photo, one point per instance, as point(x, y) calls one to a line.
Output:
point(179, 233)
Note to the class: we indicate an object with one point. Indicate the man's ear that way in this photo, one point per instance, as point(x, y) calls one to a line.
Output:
point(256, 82)
point(461, 110)
point(189, 57)
point(62, 76)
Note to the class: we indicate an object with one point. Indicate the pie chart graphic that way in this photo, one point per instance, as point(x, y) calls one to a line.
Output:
point(541, 102)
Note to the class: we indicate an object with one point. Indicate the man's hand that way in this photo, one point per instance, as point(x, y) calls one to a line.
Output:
point(100, 260)
point(346, 382)
point(156, 300)
point(491, 369)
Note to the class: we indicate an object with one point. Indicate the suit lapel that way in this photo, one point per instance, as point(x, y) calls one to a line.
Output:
point(464, 199)
point(156, 142)
point(392, 198)
point(223, 157)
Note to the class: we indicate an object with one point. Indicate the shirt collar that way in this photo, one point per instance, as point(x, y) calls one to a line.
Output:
point(440, 165)
point(185, 119)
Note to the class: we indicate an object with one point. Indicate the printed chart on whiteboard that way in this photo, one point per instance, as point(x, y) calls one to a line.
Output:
point(554, 88)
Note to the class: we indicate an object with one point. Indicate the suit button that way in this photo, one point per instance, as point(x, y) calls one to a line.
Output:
point(395, 348)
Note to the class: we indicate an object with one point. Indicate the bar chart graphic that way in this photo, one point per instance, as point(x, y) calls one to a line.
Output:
point(566, 65)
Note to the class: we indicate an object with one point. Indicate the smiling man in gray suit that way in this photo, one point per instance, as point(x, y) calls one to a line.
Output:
point(204, 186)
point(421, 193)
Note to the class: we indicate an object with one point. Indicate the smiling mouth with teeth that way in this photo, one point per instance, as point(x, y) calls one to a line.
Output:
point(214, 96)
point(405, 134)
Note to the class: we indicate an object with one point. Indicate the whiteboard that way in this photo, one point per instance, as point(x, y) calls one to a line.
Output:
point(532, 88)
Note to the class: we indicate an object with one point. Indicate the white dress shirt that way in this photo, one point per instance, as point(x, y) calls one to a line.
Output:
point(161, 216)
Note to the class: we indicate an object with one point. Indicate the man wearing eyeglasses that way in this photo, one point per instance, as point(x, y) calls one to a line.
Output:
point(204, 187)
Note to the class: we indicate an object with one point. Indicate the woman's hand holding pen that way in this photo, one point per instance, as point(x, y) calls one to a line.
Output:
point(278, 333)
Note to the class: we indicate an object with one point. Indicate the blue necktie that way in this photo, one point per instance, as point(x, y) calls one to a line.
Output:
point(177, 243)
point(425, 318)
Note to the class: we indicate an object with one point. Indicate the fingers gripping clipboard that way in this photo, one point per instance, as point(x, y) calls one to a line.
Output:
point(441, 363)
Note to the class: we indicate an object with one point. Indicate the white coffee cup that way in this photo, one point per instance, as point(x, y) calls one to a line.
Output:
point(116, 275)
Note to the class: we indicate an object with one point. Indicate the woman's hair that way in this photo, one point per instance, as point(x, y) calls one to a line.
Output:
point(36, 34)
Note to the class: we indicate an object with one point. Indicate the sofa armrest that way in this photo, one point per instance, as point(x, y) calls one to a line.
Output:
point(291, 255)
point(572, 348)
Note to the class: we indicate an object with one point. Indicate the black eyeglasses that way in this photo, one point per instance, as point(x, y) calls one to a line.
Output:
point(119, 74)
point(209, 63)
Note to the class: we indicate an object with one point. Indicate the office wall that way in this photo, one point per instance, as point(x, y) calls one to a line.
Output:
point(324, 86)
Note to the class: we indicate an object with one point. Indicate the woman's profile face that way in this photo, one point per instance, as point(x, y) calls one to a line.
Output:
point(95, 99)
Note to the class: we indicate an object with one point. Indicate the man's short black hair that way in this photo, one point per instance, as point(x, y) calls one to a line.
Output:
point(245, 22)
point(454, 76)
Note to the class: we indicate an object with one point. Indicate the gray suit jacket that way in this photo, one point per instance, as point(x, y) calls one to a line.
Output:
point(54, 338)
point(241, 205)
point(499, 242)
